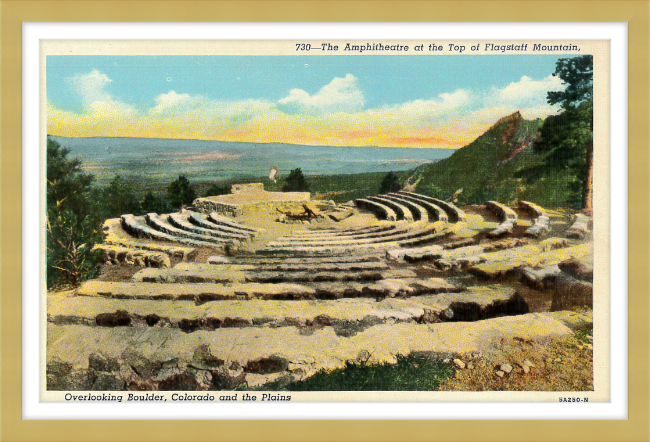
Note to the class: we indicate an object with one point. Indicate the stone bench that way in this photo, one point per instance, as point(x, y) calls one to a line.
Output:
point(380, 210)
point(400, 235)
point(176, 221)
point(454, 213)
point(218, 219)
point(579, 228)
point(327, 238)
point(156, 223)
point(504, 212)
point(532, 208)
point(419, 212)
point(347, 232)
point(140, 230)
point(434, 212)
point(199, 221)
point(402, 212)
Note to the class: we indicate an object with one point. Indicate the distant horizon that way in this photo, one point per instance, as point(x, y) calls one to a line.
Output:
point(251, 142)
point(440, 101)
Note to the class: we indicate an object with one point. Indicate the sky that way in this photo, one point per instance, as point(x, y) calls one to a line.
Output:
point(441, 101)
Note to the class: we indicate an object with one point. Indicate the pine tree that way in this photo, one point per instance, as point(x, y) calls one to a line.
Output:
point(180, 192)
point(72, 227)
point(568, 136)
point(296, 182)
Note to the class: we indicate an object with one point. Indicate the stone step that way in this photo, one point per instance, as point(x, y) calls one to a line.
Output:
point(345, 232)
point(434, 212)
point(399, 235)
point(402, 212)
point(223, 221)
point(475, 304)
point(425, 239)
point(117, 236)
point(262, 261)
point(419, 213)
point(380, 210)
point(328, 238)
point(198, 220)
point(320, 267)
point(113, 254)
point(176, 221)
point(505, 263)
point(456, 257)
point(138, 228)
point(397, 285)
point(198, 272)
point(315, 252)
point(157, 223)
point(155, 358)
point(454, 213)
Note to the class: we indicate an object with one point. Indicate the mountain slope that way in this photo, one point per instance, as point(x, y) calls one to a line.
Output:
point(499, 165)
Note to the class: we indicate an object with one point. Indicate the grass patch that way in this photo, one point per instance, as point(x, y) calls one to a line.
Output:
point(582, 333)
point(413, 373)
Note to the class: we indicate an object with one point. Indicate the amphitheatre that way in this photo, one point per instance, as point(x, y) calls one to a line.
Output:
point(240, 290)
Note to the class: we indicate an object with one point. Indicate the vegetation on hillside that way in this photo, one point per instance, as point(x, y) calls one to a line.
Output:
point(568, 137)
point(72, 224)
point(296, 182)
point(549, 162)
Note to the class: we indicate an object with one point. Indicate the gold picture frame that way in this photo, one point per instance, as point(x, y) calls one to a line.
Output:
point(14, 13)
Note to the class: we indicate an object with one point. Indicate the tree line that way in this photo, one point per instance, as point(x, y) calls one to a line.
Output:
point(76, 210)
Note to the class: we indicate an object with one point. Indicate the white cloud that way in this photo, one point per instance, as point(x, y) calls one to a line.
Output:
point(91, 86)
point(339, 94)
point(527, 89)
point(171, 101)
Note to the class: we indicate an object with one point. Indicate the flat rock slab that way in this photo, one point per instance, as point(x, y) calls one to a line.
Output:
point(322, 267)
point(151, 347)
point(476, 303)
point(194, 291)
point(578, 269)
point(203, 292)
point(540, 278)
point(505, 263)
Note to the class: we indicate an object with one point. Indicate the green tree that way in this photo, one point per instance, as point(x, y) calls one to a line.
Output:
point(217, 189)
point(117, 199)
point(180, 192)
point(153, 203)
point(72, 227)
point(568, 136)
point(296, 182)
point(390, 183)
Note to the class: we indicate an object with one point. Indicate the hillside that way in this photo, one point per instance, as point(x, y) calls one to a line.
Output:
point(499, 165)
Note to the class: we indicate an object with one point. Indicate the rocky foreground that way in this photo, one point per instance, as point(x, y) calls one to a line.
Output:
point(186, 303)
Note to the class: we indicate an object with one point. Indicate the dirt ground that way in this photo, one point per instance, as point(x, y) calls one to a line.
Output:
point(558, 365)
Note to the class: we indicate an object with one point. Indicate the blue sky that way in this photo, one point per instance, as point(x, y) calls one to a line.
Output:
point(105, 92)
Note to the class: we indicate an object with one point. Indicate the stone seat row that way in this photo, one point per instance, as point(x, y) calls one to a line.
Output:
point(393, 236)
point(409, 206)
point(138, 228)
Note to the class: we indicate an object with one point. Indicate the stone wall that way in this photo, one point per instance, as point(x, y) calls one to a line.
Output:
point(209, 205)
